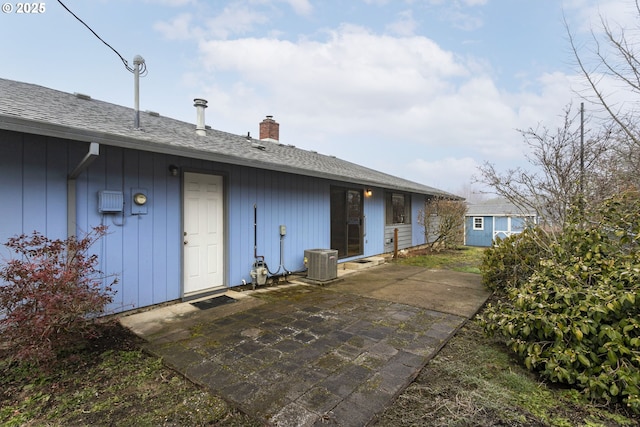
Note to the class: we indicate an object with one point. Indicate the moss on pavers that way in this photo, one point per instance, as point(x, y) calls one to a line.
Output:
point(312, 354)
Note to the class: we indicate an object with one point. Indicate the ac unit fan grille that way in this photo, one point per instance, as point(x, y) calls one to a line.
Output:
point(322, 264)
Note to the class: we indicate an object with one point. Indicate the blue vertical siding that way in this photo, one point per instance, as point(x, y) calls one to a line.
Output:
point(145, 251)
point(495, 227)
point(501, 223)
point(34, 181)
point(518, 224)
point(33, 186)
point(417, 230)
point(298, 202)
point(374, 213)
point(11, 190)
point(479, 237)
point(132, 245)
point(56, 179)
point(171, 226)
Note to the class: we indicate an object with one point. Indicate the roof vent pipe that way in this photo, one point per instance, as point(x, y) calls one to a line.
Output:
point(200, 105)
point(138, 63)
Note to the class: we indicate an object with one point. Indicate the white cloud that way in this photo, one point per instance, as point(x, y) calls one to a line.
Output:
point(301, 7)
point(405, 88)
point(179, 28)
point(404, 25)
point(450, 173)
point(588, 14)
point(376, 2)
point(357, 94)
point(350, 61)
point(235, 19)
point(172, 3)
point(463, 20)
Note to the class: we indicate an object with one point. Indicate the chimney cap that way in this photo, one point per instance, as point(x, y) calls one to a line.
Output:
point(200, 105)
point(199, 102)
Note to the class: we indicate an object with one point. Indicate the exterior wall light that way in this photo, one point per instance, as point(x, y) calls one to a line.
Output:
point(173, 170)
point(368, 192)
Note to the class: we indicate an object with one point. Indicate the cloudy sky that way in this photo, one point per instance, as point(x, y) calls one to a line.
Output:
point(423, 89)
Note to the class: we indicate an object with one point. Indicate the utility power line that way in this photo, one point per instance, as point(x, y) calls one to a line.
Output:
point(143, 70)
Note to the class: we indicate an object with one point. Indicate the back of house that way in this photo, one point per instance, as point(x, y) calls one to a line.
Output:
point(190, 210)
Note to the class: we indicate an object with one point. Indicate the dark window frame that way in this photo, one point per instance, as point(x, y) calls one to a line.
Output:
point(398, 208)
point(347, 224)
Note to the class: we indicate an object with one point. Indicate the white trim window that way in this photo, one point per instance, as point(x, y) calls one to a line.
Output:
point(478, 223)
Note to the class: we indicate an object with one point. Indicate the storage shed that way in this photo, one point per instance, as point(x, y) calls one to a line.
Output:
point(494, 219)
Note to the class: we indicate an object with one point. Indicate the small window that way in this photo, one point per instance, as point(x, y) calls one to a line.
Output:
point(478, 223)
point(398, 208)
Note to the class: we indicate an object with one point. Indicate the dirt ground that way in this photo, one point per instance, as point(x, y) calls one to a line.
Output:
point(109, 381)
point(474, 382)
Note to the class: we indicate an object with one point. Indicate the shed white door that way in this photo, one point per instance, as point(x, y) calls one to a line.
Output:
point(203, 232)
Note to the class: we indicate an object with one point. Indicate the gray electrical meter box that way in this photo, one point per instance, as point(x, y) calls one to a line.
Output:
point(110, 201)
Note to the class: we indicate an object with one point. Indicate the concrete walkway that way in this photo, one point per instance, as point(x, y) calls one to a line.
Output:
point(305, 355)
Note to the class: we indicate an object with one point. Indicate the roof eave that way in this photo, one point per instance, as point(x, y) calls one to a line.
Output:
point(18, 124)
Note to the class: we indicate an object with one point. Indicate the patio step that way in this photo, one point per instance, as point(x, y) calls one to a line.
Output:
point(360, 264)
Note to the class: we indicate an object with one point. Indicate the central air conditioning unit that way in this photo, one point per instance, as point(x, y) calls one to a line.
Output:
point(322, 264)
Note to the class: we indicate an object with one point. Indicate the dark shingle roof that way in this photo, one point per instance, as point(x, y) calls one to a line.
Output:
point(38, 110)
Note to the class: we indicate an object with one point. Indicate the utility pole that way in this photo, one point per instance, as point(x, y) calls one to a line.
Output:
point(581, 201)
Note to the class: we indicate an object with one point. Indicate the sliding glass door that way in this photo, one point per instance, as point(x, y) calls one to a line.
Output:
point(346, 221)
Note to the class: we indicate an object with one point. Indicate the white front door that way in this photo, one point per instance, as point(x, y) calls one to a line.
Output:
point(203, 232)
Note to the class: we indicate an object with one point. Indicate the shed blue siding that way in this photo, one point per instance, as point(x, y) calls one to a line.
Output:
point(495, 227)
point(501, 227)
point(518, 224)
point(478, 237)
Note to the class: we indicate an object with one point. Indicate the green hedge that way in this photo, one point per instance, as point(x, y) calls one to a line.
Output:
point(510, 262)
point(576, 319)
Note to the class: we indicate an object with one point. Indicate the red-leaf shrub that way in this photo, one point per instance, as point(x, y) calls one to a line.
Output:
point(51, 295)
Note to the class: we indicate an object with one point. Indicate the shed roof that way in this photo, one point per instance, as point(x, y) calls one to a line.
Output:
point(496, 207)
point(39, 110)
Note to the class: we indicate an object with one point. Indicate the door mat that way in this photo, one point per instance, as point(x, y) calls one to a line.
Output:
point(213, 302)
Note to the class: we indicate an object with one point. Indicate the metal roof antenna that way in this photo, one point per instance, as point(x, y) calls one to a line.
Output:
point(138, 64)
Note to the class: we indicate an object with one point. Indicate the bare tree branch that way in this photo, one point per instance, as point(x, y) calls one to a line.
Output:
point(555, 156)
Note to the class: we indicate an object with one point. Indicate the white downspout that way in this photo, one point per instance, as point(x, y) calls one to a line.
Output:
point(94, 151)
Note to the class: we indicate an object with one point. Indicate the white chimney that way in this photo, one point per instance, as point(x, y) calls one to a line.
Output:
point(200, 105)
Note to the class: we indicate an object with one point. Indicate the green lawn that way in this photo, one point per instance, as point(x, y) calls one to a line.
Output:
point(464, 259)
